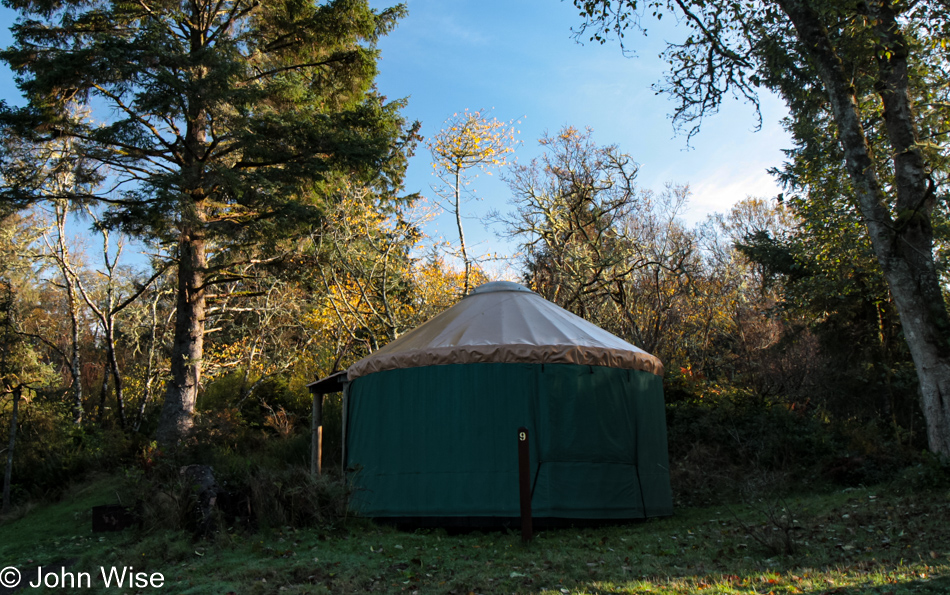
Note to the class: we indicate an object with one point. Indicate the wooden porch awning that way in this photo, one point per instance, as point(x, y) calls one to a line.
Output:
point(331, 384)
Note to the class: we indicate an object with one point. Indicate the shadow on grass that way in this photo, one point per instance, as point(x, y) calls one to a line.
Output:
point(937, 586)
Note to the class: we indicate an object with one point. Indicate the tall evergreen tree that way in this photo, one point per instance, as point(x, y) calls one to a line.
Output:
point(216, 129)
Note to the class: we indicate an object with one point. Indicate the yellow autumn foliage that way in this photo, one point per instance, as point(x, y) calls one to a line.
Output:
point(472, 139)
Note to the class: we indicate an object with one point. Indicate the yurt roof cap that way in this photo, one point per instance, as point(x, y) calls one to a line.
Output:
point(505, 322)
point(498, 286)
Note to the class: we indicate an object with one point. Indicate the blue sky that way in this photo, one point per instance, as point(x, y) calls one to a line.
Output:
point(520, 59)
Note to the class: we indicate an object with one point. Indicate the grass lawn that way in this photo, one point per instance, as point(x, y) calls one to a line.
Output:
point(858, 541)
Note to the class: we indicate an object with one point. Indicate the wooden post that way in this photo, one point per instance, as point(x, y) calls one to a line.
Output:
point(524, 484)
point(316, 430)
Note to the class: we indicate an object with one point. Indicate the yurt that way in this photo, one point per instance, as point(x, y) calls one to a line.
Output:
point(431, 420)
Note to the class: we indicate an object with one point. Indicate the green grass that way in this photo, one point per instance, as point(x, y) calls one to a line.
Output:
point(59, 531)
point(853, 542)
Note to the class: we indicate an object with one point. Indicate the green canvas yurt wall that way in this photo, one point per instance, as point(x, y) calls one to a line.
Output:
point(431, 421)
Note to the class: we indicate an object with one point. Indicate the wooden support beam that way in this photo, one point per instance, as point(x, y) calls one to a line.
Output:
point(316, 430)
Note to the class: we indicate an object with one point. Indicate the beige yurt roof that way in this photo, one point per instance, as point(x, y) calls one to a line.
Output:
point(504, 322)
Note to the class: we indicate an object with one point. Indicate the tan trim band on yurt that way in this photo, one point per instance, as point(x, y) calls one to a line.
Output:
point(508, 354)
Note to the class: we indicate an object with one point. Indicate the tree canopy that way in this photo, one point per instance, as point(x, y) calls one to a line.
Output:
point(860, 73)
point(213, 130)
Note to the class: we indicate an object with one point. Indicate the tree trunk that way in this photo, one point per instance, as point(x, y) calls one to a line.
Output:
point(178, 411)
point(70, 283)
point(903, 246)
point(75, 363)
point(927, 325)
point(181, 394)
point(8, 472)
point(103, 394)
point(115, 371)
point(150, 365)
point(458, 222)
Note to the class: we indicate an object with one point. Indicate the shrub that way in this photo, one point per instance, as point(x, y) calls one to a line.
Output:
point(721, 440)
point(51, 452)
point(930, 474)
point(268, 487)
